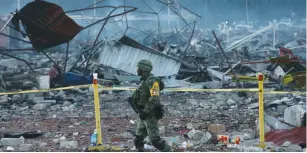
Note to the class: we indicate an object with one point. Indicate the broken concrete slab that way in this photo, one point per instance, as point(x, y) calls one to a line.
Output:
point(12, 141)
point(4, 99)
point(71, 145)
point(293, 115)
point(199, 137)
point(275, 123)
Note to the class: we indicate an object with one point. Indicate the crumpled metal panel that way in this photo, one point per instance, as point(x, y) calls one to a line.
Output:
point(125, 58)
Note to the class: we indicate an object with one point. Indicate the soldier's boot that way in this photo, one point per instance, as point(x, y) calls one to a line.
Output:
point(139, 143)
point(160, 144)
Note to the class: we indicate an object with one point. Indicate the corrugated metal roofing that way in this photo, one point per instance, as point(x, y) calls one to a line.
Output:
point(125, 58)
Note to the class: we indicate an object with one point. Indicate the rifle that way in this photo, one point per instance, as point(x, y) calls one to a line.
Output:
point(131, 103)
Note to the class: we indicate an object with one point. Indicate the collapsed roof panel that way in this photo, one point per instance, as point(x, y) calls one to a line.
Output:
point(125, 54)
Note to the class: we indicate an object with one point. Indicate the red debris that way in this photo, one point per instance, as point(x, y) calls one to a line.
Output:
point(184, 131)
point(284, 51)
point(295, 136)
point(46, 24)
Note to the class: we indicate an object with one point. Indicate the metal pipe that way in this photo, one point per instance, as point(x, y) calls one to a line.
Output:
point(49, 58)
point(102, 27)
point(79, 58)
point(88, 57)
point(229, 65)
point(17, 58)
point(8, 21)
point(246, 9)
point(15, 38)
point(109, 17)
point(67, 48)
point(19, 49)
point(189, 43)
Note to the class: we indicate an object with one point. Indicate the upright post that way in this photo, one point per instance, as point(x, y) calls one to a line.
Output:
point(97, 109)
point(261, 110)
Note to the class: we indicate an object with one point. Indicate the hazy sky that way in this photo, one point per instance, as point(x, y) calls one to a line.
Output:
point(212, 11)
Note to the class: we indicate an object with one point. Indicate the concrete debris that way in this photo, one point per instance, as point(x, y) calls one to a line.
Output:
point(190, 126)
point(199, 137)
point(275, 123)
point(293, 148)
point(286, 144)
point(70, 145)
point(40, 106)
point(294, 114)
point(12, 141)
point(69, 108)
point(75, 134)
point(9, 148)
point(62, 138)
point(25, 147)
point(4, 99)
point(252, 149)
point(127, 135)
point(42, 145)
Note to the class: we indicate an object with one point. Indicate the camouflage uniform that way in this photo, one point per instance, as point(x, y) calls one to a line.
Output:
point(147, 98)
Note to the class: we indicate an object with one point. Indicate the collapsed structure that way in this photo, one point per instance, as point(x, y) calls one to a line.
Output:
point(186, 56)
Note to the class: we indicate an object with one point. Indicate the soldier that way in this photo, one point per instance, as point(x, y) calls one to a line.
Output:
point(148, 106)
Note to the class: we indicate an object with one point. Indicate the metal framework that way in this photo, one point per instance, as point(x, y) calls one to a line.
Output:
point(171, 5)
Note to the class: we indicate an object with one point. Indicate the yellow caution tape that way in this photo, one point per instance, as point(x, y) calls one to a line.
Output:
point(167, 89)
point(212, 90)
point(45, 90)
point(285, 92)
point(117, 88)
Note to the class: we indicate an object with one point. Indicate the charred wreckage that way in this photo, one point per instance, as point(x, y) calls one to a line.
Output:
point(41, 48)
point(182, 54)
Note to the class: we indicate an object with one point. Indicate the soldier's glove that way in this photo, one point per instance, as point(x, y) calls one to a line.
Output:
point(143, 115)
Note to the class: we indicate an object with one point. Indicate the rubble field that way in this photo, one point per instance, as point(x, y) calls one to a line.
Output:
point(66, 51)
point(64, 120)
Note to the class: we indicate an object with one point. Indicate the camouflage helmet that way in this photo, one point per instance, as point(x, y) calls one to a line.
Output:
point(144, 65)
